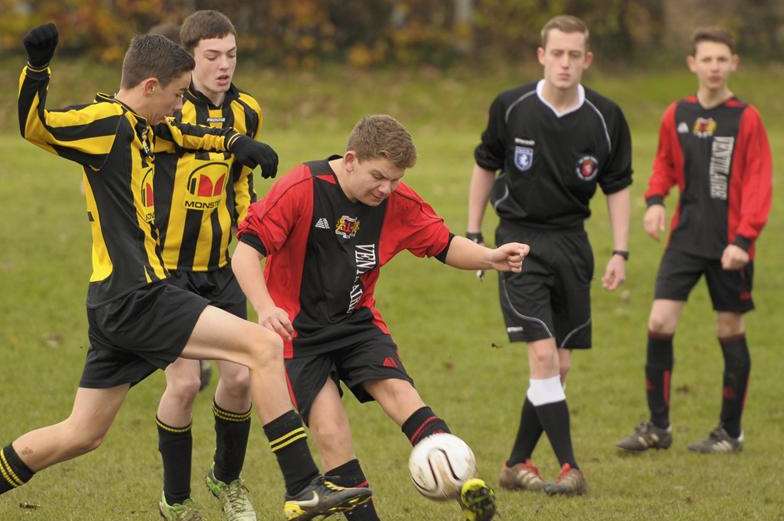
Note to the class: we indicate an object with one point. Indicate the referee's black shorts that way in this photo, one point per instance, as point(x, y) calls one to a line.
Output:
point(551, 297)
point(132, 336)
point(729, 290)
point(375, 358)
point(219, 287)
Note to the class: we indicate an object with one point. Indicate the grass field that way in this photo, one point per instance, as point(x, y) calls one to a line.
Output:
point(446, 323)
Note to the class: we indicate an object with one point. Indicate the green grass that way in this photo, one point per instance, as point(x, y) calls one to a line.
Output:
point(446, 323)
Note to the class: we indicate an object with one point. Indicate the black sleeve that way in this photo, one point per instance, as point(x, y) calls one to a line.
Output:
point(618, 173)
point(489, 154)
point(442, 256)
point(254, 242)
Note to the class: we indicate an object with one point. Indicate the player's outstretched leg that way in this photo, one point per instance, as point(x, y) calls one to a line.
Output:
point(83, 431)
point(232, 410)
point(219, 335)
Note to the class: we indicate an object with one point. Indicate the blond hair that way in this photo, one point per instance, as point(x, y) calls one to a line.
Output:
point(566, 24)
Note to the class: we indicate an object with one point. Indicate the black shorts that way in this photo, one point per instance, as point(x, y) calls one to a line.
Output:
point(729, 290)
point(372, 359)
point(132, 336)
point(219, 287)
point(551, 297)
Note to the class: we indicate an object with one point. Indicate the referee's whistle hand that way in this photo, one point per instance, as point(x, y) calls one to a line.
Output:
point(615, 273)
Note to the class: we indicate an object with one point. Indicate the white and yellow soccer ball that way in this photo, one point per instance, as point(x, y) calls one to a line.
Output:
point(440, 464)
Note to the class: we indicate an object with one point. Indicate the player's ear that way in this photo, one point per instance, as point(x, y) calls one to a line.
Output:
point(735, 61)
point(350, 160)
point(588, 59)
point(150, 86)
point(691, 62)
point(540, 54)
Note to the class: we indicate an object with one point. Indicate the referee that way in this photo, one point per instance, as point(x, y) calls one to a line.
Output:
point(553, 141)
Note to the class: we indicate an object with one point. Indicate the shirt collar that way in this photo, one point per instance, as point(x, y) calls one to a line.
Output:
point(580, 99)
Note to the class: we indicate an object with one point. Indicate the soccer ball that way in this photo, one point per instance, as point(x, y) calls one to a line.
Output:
point(440, 464)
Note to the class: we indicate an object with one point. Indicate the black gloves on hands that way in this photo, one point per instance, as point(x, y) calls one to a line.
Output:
point(40, 44)
point(250, 153)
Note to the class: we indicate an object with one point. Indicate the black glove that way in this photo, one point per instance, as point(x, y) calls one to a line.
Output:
point(250, 153)
point(40, 44)
point(475, 237)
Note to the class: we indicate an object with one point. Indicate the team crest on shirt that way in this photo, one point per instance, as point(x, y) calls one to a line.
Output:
point(704, 127)
point(587, 168)
point(523, 157)
point(205, 186)
point(347, 227)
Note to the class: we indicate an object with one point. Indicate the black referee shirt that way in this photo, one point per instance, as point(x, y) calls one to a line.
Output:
point(550, 163)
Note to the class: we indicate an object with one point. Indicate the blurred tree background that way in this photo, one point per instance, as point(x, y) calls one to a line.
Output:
point(369, 33)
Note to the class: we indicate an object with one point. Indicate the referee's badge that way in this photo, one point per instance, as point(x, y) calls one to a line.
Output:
point(523, 158)
point(587, 168)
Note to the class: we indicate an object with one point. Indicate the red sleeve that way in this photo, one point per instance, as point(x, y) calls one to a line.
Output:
point(414, 225)
point(668, 160)
point(756, 176)
point(271, 219)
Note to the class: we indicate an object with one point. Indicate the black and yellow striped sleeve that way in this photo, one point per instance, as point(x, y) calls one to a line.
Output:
point(83, 133)
point(248, 110)
point(172, 136)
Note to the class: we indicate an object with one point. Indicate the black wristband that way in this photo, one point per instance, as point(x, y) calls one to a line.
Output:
point(622, 253)
point(475, 237)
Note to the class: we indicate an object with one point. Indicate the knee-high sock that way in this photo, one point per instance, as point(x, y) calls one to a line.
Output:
point(658, 373)
point(737, 366)
point(547, 396)
point(176, 447)
point(231, 441)
point(422, 423)
point(528, 434)
point(288, 441)
point(13, 471)
point(350, 475)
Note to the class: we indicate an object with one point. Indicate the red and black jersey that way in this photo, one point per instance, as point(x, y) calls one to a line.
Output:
point(325, 253)
point(720, 160)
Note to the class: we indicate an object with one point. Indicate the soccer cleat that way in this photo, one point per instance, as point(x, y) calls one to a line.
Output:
point(235, 503)
point(570, 482)
point(718, 441)
point(477, 500)
point(323, 498)
point(185, 511)
point(647, 436)
point(522, 476)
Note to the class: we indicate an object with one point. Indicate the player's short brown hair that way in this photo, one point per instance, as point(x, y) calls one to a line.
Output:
point(204, 25)
point(566, 24)
point(382, 136)
point(154, 56)
point(168, 29)
point(712, 34)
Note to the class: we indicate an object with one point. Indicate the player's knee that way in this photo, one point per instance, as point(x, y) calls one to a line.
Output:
point(544, 359)
point(661, 324)
point(81, 441)
point(729, 324)
point(183, 388)
point(236, 382)
point(265, 347)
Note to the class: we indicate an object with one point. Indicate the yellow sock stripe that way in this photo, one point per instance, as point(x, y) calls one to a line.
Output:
point(229, 416)
point(8, 473)
point(276, 448)
point(289, 434)
point(168, 428)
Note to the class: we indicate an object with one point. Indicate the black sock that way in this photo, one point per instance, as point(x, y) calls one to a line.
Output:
point(176, 447)
point(422, 423)
point(350, 475)
point(554, 418)
point(231, 441)
point(528, 434)
point(13, 471)
point(658, 372)
point(288, 440)
point(737, 366)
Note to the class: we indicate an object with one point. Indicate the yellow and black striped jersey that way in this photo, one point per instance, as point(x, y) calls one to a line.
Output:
point(116, 148)
point(200, 196)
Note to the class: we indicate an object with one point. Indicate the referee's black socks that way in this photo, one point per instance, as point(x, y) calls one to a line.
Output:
point(548, 398)
point(528, 434)
point(422, 423)
point(658, 374)
point(288, 441)
point(350, 475)
point(13, 471)
point(737, 366)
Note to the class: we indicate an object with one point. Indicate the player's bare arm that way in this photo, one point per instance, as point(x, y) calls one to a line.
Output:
point(468, 255)
point(247, 267)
